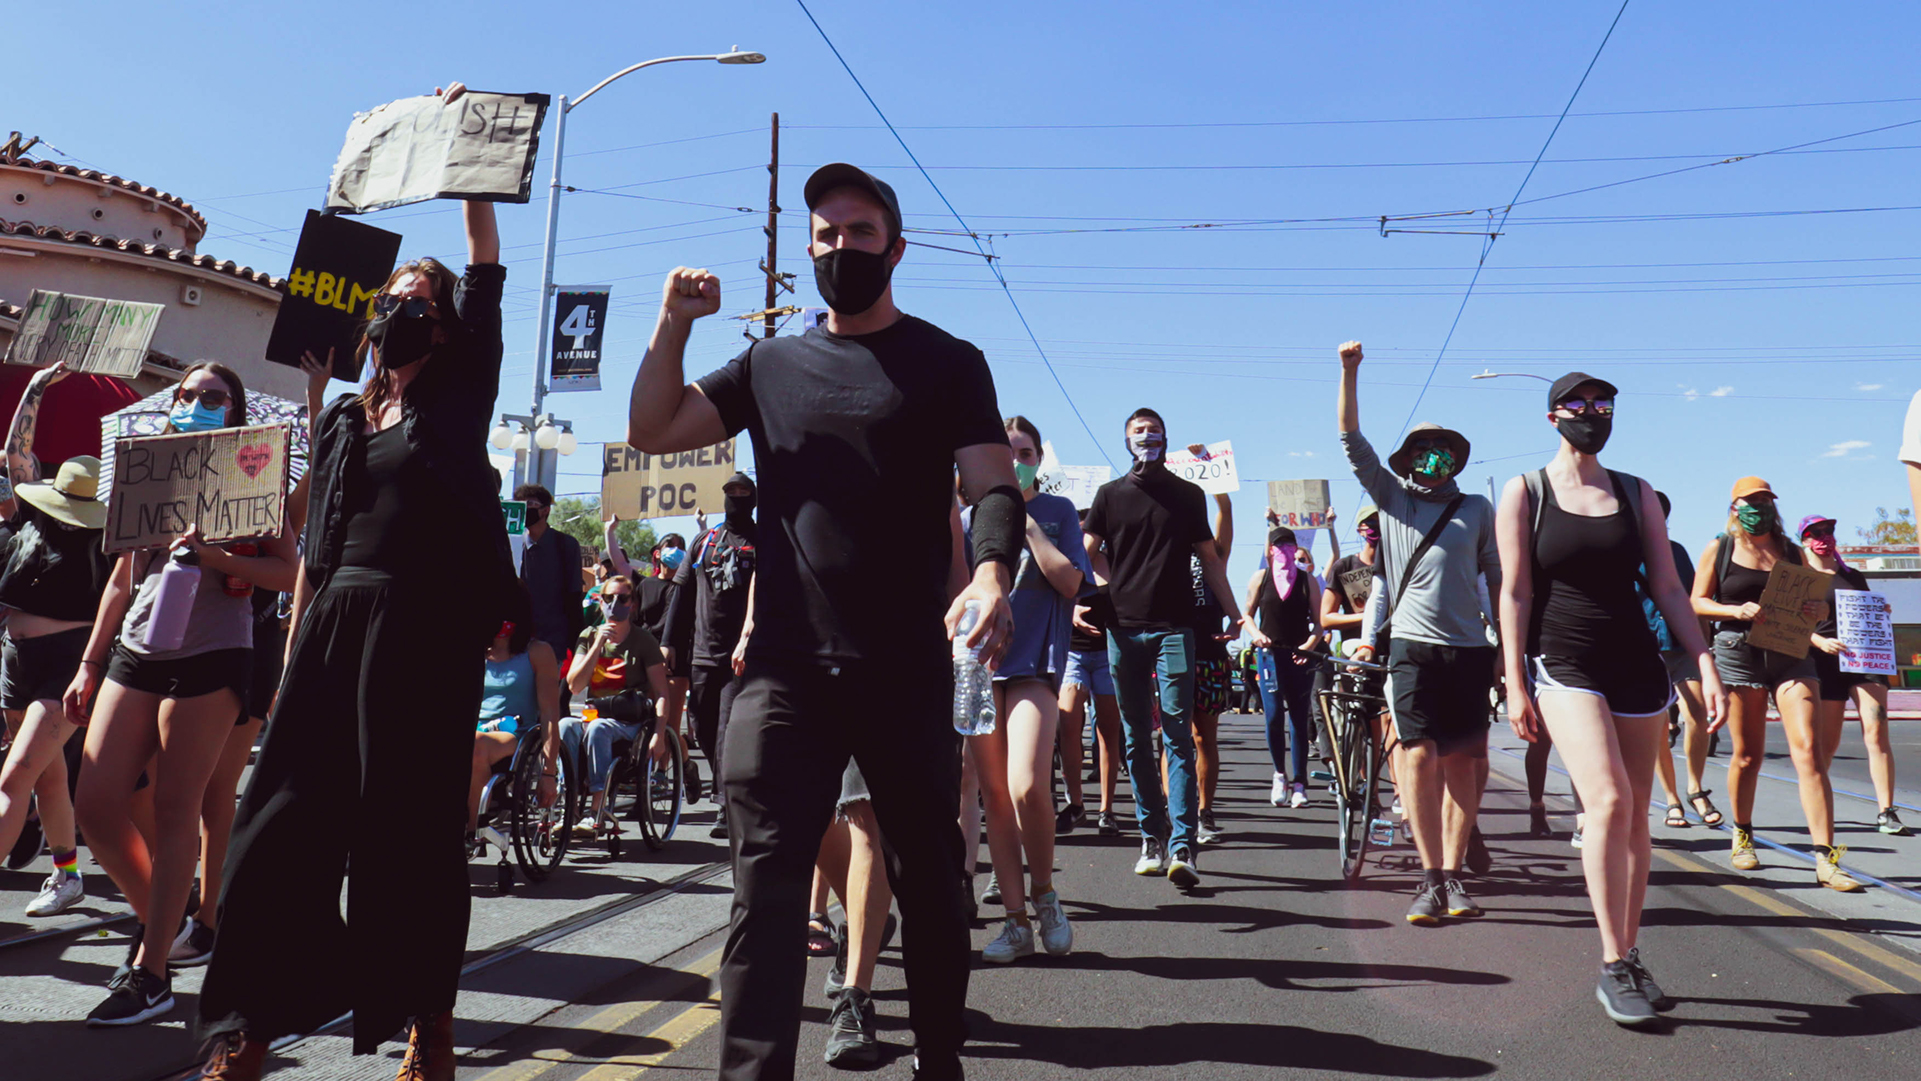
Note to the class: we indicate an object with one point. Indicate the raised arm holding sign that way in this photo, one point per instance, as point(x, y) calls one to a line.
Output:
point(416, 149)
point(1211, 467)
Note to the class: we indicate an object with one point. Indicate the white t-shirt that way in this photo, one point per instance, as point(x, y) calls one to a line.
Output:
point(1911, 432)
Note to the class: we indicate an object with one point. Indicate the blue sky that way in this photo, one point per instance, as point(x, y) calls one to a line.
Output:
point(1747, 334)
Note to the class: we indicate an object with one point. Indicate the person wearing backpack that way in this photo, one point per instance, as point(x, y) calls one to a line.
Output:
point(1685, 672)
point(1734, 572)
point(1584, 666)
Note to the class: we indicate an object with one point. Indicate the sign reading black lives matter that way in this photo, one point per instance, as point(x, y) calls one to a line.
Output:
point(91, 334)
point(479, 146)
point(338, 268)
point(580, 329)
point(636, 485)
point(231, 482)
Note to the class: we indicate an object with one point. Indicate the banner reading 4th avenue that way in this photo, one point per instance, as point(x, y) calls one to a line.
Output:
point(338, 268)
point(636, 485)
point(580, 330)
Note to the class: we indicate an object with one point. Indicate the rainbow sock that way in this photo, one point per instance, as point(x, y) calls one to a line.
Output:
point(68, 862)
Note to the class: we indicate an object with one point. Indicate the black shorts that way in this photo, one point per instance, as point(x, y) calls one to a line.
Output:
point(1836, 685)
point(1440, 693)
point(36, 669)
point(1633, 684)
point(185, 677)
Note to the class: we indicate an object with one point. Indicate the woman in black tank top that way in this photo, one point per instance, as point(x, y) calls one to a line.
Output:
point(1288, 613)
point(1734, 571)
point(1578, 545)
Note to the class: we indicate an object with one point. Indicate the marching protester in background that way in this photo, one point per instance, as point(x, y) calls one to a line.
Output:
point(1089, 682)
point(1286, 602)
point(617, 657)
point(1584, 664)
point(520, 688)
point(1684, 670)
point(853, 865)
point(1435, 612)
point(52, 574)
point(1836, 687)
point(550, 568)
point(351, 752)
point(1350, 582)
point(1014, 763)
point(835, 667)
point(1140, 533)
point(1727, 588)
point(1213, 668)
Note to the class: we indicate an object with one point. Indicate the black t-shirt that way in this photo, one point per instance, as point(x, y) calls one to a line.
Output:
point(1151, 521)
point(1100, 613)
point(652, 596)
point(710, 593)
point(1209, 616)
point(52, 569)
point(1352, 582)
point(854, 440)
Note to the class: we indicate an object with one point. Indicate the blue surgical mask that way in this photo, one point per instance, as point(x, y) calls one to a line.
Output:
point(196, 417)
point(671, 557)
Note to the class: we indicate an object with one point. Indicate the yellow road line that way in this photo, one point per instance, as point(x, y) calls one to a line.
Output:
point(612, 1019)
point(1822, 959)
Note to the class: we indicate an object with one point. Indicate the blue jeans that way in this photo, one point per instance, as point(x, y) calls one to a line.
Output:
point(1137, 659)
point(599, 735)
point(1287, 694)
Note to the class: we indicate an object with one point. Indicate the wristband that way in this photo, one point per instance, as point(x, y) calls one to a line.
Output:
point(90, 660)
point(1000, 527)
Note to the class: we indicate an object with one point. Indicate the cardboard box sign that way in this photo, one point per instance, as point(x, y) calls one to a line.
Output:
point(1865, 624)
point(480, 146)
point(92, 334)
point(636, 485)
point(232, 483)
point(1301, 504)
point(1786, 627)
point(338, 268)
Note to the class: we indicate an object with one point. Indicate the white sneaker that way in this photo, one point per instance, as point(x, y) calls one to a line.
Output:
point(1299, 796)
point(1014, 943)
point(61, 891)
point(492, 836)
point(1277, 794)
point(587, 826)
point(1057, 935)
point(1153, 859)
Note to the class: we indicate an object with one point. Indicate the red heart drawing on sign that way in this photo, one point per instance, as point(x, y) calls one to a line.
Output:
point(252, 460)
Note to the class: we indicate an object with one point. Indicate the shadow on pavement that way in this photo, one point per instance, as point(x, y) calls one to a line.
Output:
point(1279, 1046)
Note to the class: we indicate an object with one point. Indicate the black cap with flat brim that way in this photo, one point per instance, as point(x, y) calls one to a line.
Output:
point(1565, 386)
point(842, 175)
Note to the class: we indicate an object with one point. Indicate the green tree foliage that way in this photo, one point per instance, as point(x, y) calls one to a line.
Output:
point(579, 518)
point(1897, 530)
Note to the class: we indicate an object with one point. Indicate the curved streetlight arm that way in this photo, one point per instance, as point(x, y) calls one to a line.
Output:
point(1511, 375)
point(569, 106)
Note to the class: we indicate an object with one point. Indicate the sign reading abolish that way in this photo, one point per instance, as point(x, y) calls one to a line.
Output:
point(580, 328)
point(408, 151)
point(635, 484)
point(91, 334)
point(1865, 623)
point(1792, 604)
point(1300, 504)
point(338, 268)
point(1213, 469)
point(231, 482)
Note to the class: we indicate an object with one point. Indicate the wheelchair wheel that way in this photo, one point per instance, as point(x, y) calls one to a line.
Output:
point(659, 792)
point(541, 834)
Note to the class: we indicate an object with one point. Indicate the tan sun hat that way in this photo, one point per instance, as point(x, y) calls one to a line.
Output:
point(72, 495)
point(1400, 462)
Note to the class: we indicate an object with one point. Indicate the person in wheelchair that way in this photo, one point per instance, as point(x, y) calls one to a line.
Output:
point(619, 667)
point(521, 688)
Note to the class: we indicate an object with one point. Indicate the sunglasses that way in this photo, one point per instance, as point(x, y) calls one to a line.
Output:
point(408, 307)
point(1819, 531)
point(211, 397)
point(1602, 407)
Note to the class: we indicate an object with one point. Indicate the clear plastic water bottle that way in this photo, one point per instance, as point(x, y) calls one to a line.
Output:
point(173, 601)
point(973, 683)
point(500, 724)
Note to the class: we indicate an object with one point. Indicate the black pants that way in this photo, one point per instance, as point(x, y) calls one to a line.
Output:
point(711, 694)
point(794, 726)
point(362, 774)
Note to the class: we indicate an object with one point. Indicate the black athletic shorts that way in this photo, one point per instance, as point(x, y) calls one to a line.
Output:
point(1633, 684)
point(1836, 685)
point(1440, 693)
point(33, 669)
point(185, 677)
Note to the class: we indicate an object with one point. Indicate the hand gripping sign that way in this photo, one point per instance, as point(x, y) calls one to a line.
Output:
point(338, 268)
point(480, 146)
point(231, 482)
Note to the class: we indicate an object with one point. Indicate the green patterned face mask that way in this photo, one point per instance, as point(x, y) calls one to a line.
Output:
point(1755, 519)
point(1435, 462)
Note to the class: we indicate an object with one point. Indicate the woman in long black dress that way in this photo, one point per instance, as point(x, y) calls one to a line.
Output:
point(362, 773)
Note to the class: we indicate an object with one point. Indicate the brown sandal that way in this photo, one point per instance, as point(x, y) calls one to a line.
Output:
point(430, 1049)
point(234, 1058)
point(1703, 806)
point(1677, 817)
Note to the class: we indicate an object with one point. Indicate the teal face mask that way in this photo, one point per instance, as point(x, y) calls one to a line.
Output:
point(1435, 462)
point(1753, 519)
point(1024, 474)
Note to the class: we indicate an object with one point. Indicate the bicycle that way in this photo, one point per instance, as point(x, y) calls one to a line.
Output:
point(1348, 711)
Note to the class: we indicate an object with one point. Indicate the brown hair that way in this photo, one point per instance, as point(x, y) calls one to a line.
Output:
point(378, 391)
point(237, 402)
point(1018, 423)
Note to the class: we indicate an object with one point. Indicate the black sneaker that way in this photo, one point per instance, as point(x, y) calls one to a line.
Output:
point(719, 830)
point(946, 1068)
point(1430, 903)
point(194, 946)
point(1479, 859)
point(1458, 902)
point(27, 848)
point(1656, 997)
point(850, 1031)
point(1069, 817)
point(1621, 996)
point(125, 968)
point(691, 780)
point(1106, 826)
point(1888, 822)
point(992, 894)
point(142, 996)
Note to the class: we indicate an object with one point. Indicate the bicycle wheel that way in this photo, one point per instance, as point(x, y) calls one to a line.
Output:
point(541, 834)
point(660, 795)
point(1357, 789)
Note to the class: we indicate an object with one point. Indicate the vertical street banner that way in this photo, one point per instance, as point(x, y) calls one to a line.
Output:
point(635, 485)
point(91, 334)
point(480, 146)
point(338, 268)
point(1791, 606)
point(231, 482)
point(1212, 469)
point(579, 335)
point(1865, 622)
point(1300, 504)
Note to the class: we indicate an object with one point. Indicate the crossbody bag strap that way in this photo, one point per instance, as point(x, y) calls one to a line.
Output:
point(1433, 534)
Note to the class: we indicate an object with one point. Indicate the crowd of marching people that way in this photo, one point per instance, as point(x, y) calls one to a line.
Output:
point(809, 650)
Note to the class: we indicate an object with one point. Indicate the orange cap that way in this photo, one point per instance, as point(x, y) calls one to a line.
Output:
point(1747, 486)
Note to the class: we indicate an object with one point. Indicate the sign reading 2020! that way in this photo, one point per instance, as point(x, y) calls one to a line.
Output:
point(232, 483)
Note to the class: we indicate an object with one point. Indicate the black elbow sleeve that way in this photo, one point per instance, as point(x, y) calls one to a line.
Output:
point(1000, 527)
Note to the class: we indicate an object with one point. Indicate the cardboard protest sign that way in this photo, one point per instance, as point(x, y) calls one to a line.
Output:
point(636, 485)
point(580, 330)
point(515, 511)
point(91, 334)
point(480, 146)
point(1213, 470)
point(231, 482)
point(1786, 626)
point(338, 268)
point(1865, 622)
point(1301, 504)
point(1074, 483)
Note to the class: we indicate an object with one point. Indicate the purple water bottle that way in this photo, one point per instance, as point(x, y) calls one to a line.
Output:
point(173, 601)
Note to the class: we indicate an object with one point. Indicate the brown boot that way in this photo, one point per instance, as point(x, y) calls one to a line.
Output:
point(235, 1058)
point(430, 1049)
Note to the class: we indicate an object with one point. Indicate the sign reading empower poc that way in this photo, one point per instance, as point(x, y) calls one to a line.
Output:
point(635, 484)
point(232, 483)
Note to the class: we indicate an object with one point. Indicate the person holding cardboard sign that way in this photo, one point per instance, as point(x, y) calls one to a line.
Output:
point(1734, 573)
point(353, 749)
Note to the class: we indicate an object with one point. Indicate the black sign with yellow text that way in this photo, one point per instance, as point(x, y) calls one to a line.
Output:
point(338, 268)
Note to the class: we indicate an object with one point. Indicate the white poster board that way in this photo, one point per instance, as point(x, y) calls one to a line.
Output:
point(1213, 469)
point(1866, 626)
point(480, 146)
point(1074, 483)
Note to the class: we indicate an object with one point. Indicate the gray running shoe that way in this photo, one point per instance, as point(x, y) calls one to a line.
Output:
point(1106, 826)
point(1013, 943)
point(850, 1031)
point(1430, 904)
point(1656, 997)
point(1621, 996)
point(1056, 934)
point(1889, 822)
point(1184, 868)
point(1153, 859)
point(1210, 833)
point(1458, 902)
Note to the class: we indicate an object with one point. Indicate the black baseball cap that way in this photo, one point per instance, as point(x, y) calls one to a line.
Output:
point(842, 175)
point(1565, 385)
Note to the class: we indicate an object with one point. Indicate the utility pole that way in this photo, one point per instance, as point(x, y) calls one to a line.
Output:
point(773, 232)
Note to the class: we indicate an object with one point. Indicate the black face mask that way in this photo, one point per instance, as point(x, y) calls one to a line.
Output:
point(1587, 434)
point(401, 339)
point(536, 515)
point(740, 509)
point(850, 280)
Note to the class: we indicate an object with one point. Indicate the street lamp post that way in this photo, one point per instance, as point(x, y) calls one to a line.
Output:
point(540, 464)
point(1511, 375)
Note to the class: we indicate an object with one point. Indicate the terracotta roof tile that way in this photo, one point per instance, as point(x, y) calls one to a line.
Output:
point(135, 247)
point(115, 181)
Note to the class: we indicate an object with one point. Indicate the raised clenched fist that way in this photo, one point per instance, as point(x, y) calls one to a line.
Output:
point(690, 294)
point(1350, 355)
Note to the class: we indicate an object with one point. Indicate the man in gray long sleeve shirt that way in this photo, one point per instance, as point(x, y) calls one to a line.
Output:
point(1440, 660)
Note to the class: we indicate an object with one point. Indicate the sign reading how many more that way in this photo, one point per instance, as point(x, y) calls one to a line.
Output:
point(580, 330)
point(91, 334)
point(1865, 624)
point(480, 146)
point(231, 482)
point(1213, 469)
point(635, 485)
point(1300, 504)
point(338, 268)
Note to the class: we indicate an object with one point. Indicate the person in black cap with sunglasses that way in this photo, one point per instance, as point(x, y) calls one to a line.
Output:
point(848, 653)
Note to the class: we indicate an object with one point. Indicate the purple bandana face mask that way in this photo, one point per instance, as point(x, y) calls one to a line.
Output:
point(1280, 560)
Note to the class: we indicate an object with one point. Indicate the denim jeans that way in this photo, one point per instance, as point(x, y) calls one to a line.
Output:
point(1287, 694)
point(1138, 659)
point(599, 735)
